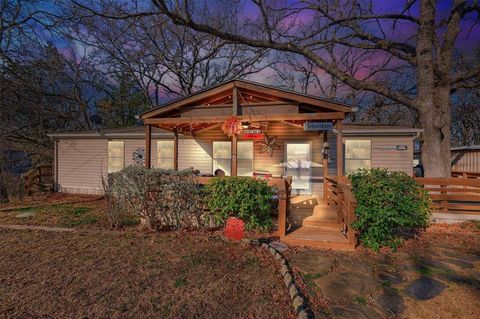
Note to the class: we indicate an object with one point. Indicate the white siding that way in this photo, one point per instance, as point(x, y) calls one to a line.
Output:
point(81, 165)
point(196, 154)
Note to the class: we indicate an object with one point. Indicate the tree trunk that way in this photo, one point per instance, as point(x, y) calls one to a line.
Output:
point(431, 108)
point(3, 189)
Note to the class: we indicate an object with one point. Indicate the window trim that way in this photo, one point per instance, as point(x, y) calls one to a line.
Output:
point(358, 158)
point(165, 157)
point(108, 155)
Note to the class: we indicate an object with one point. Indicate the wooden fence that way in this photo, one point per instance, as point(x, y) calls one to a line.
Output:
point(453, 195)
point(38, 180)
point(465, 174)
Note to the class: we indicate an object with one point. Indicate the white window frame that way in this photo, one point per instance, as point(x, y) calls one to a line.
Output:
point(165, 157)
point(369, 159)
point(240, 157)
point(217, 158)
point(122, 158)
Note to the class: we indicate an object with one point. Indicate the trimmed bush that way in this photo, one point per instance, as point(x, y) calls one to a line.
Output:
point(243, 197)
point(163, 199)
point(388, 202)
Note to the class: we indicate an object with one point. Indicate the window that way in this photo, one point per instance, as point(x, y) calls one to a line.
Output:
point(245, 158)
point(358, 154)
point(116, 156)
point(165, 154)
point(222, 155)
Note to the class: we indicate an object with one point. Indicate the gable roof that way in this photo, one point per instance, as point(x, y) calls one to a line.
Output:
point(307, 99)
point(123, 132)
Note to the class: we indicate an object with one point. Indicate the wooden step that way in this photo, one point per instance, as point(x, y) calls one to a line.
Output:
point(324, 238)
point(327, 212)
point(320, 222)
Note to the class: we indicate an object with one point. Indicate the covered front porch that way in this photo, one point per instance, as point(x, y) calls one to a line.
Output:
point(280, 135)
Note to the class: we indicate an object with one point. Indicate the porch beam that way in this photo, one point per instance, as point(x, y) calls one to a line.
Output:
point(339, 127)
point(235, 101)
point(325, 165)
point(148, 145)
point(234, 156)
point(250, 118)
point(175, 149)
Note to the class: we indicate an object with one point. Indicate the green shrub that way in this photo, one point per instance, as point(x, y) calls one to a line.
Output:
point(246, 198)
point(163, 199)
point(387, 203)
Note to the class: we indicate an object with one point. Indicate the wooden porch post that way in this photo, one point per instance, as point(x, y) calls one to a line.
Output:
point(175, 149)
point(148, 145)
point(234, 156)
point(325, 166)
point(339, 149)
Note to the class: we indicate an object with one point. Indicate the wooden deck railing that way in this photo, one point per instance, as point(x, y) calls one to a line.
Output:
point(341, 195)
point(453, 195)
point(330, 190)
point(39, 175)
point(465, 174)
point(283, 187)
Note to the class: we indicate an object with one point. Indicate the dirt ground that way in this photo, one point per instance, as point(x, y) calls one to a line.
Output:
point(115, 274)
point(435, 275)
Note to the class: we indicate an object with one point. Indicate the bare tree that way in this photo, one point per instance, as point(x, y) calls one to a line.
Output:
point(165, 59)
point(360, 25)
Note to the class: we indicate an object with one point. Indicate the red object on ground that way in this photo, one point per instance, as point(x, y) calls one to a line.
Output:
point(234, 228)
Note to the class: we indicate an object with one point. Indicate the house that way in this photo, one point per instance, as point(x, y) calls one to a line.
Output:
point(284, 134)
point(246, 129)
point(279, 139)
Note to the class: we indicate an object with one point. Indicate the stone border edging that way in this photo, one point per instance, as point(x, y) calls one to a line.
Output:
point(35, 227)
point(298, 302)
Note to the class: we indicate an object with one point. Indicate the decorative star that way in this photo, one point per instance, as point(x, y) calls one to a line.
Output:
point(269, 144)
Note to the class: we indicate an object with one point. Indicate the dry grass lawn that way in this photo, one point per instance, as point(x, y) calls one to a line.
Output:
point(115, 274)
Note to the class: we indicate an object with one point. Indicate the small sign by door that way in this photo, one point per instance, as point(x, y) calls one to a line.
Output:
point(317, 126)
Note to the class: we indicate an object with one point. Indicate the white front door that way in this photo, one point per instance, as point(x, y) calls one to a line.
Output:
point(298, 165)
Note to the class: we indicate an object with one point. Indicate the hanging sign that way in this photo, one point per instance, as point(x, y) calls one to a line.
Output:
point(317, 126)
point(252, 133)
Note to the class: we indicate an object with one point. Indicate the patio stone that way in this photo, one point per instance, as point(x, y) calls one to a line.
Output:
point(25, 215)
point(353, 311)
point(346, 286)
point(425, 288)
point(391, 302)
point(391, 278)
point(312, 264)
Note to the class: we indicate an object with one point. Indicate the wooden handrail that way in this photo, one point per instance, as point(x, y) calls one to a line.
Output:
point(283, 187)
point(340, 194)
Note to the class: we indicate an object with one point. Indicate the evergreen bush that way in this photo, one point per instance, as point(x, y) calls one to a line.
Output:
point(388, 202)
point(243, 197)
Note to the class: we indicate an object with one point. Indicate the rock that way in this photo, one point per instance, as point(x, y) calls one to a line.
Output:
point(391, 302)
point(346, 286)
point(311, 264)
point(354, 312)
point(281, 247)
point(25, 215)
point(425, 288)
point(391, 278)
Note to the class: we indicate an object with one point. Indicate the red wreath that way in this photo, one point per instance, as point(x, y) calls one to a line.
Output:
point(232, 126)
